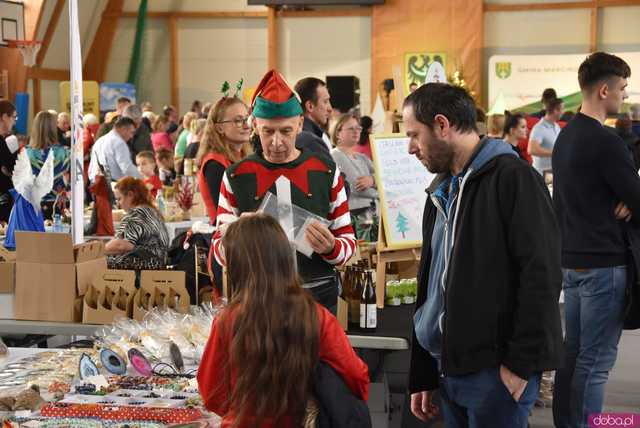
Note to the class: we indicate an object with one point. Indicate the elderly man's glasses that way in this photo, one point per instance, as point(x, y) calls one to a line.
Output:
point(239, 121)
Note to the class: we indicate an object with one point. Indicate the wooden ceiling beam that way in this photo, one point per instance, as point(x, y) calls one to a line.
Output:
point(47, 73)
point(617, 3)
point(51, 29)
point(526, 7)
point(326, 13)
point(33, 11)
point(196, 15)
point(96, 68)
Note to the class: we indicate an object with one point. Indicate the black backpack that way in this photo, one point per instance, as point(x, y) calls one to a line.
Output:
point(339, 408)
point(182, 253)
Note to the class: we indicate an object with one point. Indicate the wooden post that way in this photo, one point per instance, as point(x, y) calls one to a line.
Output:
point(173, 61)
point(37, 96)
point(272, 38)
point(593, 38)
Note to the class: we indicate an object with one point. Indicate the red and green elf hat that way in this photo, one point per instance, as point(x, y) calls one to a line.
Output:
point(274, 98)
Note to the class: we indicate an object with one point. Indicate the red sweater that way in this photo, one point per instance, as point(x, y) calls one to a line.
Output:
point(335, 350)
point(154, 184)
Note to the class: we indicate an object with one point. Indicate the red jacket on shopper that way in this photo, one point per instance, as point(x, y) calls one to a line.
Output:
point(335, 350)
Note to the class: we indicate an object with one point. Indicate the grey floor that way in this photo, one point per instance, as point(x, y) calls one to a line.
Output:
point(622, 393)
point(623, 388)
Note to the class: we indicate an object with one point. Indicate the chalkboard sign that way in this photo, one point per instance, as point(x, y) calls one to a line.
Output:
point(401, 180)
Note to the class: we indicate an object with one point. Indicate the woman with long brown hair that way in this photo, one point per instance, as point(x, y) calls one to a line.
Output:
point(42, 140)
point(141, 240)
point(257, 368)
point(225, 141)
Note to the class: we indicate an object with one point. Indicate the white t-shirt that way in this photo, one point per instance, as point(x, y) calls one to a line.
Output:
point(545, 133)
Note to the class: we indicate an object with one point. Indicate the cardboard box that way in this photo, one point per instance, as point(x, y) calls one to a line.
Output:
point(168, 288)
point(90, 260)
point(50, 272)
point(161, 288)
point(110, 296)
point(7, 270)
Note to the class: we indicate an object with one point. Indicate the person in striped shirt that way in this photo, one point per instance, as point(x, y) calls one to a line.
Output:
point(309, 180)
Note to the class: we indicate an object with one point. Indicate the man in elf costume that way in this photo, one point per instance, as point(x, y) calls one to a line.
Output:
point(309, 180)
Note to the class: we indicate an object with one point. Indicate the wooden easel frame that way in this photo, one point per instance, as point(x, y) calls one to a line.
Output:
point(386, 255)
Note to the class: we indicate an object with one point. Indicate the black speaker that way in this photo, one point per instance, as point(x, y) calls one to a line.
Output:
point(344, 91)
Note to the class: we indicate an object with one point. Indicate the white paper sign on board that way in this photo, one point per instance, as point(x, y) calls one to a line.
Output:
point(401, 180)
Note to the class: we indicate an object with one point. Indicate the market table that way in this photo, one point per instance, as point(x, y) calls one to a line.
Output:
point(392, 336)
point(11, 326)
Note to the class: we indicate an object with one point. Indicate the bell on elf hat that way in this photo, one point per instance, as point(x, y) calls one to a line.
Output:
point(274, 98)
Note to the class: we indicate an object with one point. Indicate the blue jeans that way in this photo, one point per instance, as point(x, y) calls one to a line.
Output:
point(481, 400)
point(594, 306)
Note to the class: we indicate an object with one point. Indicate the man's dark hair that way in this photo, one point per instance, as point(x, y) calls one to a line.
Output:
point(453, 102)
point(124, 121)
point(551, 105)
point(549, 94)
point(413, 84)
point(123, 100)
point(307, 90)
point(600, 66)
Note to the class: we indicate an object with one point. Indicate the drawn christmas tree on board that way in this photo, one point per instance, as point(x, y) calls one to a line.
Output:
point(402, 224)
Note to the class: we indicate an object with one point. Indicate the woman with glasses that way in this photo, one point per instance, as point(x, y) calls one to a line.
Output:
point(359, 172)
point(225, 141)
point(8, 156)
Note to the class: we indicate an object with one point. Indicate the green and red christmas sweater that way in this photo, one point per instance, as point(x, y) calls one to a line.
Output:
point(316, 186)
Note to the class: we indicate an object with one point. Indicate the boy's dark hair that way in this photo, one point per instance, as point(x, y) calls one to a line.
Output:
point(453, 102)
point(307, 90)
point(549, 94)
point(123, 100)
point(124, 121)
point(551, 105)
point(600, 66)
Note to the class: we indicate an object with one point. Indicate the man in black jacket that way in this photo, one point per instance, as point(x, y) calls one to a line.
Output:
point(487, 321)
point(596, 188)
point(316, 104)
